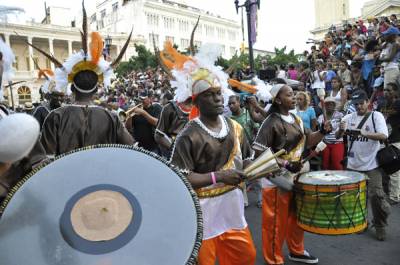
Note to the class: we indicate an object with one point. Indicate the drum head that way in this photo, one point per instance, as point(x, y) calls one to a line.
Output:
point(331, 177)
point(103, 205)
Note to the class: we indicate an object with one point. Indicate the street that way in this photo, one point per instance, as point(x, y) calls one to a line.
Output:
point(359, 249)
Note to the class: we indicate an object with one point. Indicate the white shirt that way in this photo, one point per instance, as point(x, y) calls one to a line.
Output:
point(318, 83)
point(362, 156)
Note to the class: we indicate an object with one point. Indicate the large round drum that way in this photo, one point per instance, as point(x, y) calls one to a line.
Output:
point(103, 205)
point(332, 202)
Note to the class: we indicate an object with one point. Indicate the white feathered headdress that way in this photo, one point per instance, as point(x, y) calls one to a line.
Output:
point(89, 58)
point(194, 75)
point(8, 59)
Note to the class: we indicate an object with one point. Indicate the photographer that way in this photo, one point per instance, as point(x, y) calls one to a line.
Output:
point(365, 130)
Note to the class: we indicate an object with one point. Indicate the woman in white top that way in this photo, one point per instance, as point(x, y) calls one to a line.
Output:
point(338, 93)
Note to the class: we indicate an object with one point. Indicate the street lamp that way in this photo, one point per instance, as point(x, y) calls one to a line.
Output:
point(248, 5)
point(108, 42)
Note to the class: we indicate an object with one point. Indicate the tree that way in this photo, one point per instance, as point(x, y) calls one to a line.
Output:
point(144, 58)
point(281, 57)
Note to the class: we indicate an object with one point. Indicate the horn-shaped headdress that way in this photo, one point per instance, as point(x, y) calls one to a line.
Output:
point(89, 58)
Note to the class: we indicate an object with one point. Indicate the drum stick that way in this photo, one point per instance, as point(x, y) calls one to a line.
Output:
point(253, 167)
point(262, 174)
point(319, 148)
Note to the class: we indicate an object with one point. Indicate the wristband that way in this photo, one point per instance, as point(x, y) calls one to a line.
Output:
point(213, 178)
point(285, 164)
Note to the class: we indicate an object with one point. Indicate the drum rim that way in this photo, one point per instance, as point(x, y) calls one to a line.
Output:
point(192, 260)
point(333, 171)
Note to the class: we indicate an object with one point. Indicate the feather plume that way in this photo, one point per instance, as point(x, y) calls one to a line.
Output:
point(50, 57)
point(46, 73)
point(172, 58)
point(123, 50)
point(191, 47)
point(242, 86)
point(84, 32)
point(96, 47)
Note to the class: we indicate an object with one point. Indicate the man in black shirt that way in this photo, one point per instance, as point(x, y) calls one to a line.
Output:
point(144, 122)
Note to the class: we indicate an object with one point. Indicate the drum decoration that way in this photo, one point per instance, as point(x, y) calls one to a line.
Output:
point(332, 202)
point(104, 204)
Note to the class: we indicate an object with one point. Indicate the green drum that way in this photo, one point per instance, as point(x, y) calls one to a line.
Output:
point(332, 202)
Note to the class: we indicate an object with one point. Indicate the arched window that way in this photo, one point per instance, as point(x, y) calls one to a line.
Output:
point(24, 95)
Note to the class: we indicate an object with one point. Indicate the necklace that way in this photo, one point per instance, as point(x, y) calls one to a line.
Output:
point(218, 135)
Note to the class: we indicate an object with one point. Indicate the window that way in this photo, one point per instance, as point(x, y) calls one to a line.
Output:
point(184, 43)
point(221, 33)
point(183, 25)
point(169, 38)
point(209, 31)
point(115, 7)
point(223, 49)
point(93, 18)
point(103, 13)
point(35, 63)
point(197, 44)
point(152, 19)
point(15, 63)
point(233, 50)
point(231, 35)
point(48, 63)
point(169, 23)
point(156, 39)
point(24, 95)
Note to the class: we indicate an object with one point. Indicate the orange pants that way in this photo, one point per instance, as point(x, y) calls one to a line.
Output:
point(279, 224)
point(234, 247)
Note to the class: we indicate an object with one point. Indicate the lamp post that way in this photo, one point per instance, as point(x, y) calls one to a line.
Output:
point(108, 42)
point(248, 4)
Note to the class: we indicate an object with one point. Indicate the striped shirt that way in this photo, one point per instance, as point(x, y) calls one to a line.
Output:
point(330, 138)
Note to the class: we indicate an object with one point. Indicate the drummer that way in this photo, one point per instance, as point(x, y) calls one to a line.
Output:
point(209, 150)
point(82, 124)
point(284, 130)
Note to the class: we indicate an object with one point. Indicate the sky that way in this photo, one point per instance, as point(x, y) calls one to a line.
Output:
point(281, 22)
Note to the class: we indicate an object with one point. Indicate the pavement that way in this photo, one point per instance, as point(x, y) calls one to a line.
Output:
point(357, 249)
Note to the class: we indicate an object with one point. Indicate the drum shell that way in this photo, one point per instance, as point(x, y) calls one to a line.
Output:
point(332, 209)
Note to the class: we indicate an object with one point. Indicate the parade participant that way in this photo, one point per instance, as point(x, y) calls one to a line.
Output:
point(173, 119)
point(209, 151)
point(83, 124)
point(284, 130)
point(53, 97)
point(143, 122)
point(20, 150)
point(365, 130)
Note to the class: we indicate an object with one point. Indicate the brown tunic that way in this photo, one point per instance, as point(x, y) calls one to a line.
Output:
point(278, 134)
point(71, 127)
point(197, 151)
point(172, 121)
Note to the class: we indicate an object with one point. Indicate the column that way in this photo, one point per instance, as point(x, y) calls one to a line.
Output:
point(69, 48)
point(30, 51)
point(7, 39)
point(51, 51)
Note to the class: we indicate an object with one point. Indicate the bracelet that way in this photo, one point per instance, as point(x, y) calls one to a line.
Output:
point(213, 178)
point(285, 164)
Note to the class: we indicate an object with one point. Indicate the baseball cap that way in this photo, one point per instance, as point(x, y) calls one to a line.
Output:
point(358, 97)
point(329, 99)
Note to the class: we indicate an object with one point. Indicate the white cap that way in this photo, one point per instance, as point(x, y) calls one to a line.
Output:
point(275, 90)
point(19, 133)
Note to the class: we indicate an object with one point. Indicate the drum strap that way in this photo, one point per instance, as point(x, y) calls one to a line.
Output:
point(360, 125)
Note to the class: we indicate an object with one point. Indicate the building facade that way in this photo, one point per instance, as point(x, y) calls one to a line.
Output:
point(380, 8)
point(163, 20)
point(330, 12)
point(61, 41)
